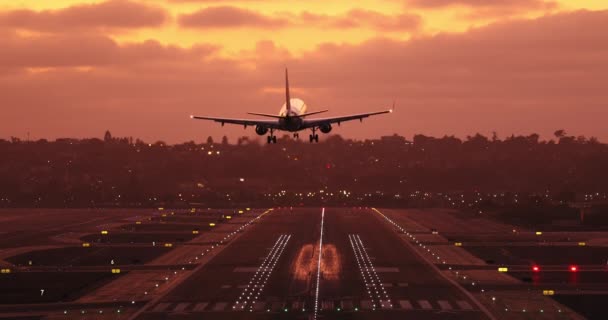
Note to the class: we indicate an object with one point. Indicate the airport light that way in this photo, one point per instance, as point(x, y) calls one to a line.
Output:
point(535, 268)
point(86, 244)
point(548, 292)
point(104, 231)
point(503, 269)
point(582, 244)
point(573, 268)
point(538, 233)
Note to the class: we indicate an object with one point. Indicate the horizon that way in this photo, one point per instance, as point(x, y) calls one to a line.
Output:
point(258, 139)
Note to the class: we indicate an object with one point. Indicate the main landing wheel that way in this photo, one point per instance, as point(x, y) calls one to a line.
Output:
point(313, 137)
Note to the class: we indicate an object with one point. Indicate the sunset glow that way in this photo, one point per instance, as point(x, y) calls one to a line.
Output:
point(140, 68)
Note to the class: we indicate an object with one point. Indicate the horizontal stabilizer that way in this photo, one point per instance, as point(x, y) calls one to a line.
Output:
point(265, 115)
point(311, 113)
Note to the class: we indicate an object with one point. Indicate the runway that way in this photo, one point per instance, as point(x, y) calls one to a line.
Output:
point(298, 263)
point(366, 271)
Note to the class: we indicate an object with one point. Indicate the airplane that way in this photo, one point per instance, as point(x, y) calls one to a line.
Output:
point(292, 117)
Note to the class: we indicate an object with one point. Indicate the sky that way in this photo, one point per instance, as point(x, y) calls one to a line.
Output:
point(75, 68)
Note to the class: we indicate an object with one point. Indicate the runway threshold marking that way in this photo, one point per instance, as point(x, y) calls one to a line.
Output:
point(316, 311)
point(255, 286)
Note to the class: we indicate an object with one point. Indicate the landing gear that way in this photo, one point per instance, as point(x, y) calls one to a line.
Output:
point(296, 135)
point(271, 138)
point(313, 137)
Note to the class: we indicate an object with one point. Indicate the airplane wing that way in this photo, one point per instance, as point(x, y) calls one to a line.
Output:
point(244, 122)
point(309, 123)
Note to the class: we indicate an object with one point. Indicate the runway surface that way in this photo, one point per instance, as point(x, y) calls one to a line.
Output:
point(367, 272)
point(294, 263)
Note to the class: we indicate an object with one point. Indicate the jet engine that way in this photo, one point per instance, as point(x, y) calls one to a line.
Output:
point(261, 130)
point(325, 128)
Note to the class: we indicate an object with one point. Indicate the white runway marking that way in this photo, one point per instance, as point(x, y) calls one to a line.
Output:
point(375, 288)
point(424, 304)
point(255, 286)
point(444, 305)
point(181, 307)
point(464, 305)
point(200, 306)
point(316, 312)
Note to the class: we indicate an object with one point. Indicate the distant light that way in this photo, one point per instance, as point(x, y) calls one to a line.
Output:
point(536, 268)
point(242, 179)
point(573, 268)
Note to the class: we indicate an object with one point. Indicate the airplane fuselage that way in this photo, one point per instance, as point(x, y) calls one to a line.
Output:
point(291, 123)
point(291, 120)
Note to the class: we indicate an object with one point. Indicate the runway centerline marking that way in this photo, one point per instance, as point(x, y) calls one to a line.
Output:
point(316, 312)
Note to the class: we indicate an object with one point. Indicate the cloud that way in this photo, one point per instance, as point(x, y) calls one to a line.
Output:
point(229, 17)
point(82, 50)
point(517, 76)
point(528, 4)
point(119, 14)
point(233, 17)
point(358, 18)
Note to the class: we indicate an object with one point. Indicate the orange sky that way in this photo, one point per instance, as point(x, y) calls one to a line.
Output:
point(73, 68)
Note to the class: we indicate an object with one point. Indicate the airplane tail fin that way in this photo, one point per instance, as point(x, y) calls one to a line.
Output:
point(287, 98)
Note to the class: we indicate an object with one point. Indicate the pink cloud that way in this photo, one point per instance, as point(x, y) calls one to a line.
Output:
point(519, 76)
point(229, 17)
point(121, 14)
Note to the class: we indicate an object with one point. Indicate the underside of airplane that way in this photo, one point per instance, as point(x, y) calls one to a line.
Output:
point(293, 117)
